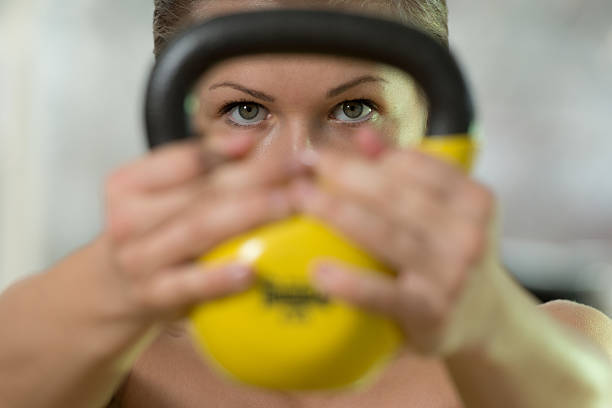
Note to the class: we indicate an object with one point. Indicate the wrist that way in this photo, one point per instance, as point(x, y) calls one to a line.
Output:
point(70, 321)
point(526, 356)
point(476, 316)
point(91, 294)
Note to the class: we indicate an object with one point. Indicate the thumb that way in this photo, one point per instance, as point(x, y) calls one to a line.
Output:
point(173, 292)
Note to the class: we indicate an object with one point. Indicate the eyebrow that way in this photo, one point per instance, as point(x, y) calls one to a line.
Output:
point(352, 83)
point(252, 92)
point(330, 94)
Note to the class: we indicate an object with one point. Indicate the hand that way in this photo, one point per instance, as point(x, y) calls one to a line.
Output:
point(172, 206)
point(426, 220)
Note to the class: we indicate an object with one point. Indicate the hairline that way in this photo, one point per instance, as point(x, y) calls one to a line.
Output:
point(195, 11)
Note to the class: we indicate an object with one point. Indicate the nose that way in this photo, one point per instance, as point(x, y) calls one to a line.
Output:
point(292, 139)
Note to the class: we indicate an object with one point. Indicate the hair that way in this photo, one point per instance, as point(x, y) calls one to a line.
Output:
point(431, 16)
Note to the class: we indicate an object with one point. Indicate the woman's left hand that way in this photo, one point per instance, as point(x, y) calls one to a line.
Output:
point(429, 222)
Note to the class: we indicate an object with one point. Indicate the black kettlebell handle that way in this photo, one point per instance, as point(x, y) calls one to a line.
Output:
point(199, 48)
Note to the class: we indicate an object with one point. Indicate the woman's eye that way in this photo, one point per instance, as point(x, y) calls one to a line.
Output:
point(352, 111)
point(247, 113)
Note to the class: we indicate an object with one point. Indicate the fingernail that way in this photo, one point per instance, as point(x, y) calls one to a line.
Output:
point(325, 277)
point(239, 272)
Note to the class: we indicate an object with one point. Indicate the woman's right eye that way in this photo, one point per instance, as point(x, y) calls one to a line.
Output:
point(246, 113)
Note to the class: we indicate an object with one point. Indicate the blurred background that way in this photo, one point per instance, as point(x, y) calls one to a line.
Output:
point(72, 78)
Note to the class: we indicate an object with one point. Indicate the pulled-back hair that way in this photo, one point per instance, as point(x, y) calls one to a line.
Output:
point(429, 15)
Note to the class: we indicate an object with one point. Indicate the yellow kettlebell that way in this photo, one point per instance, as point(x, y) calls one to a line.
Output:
point(281, 333)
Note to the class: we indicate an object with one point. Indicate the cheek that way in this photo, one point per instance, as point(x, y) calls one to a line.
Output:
point(407, 111)
point(405, 126)
point(410, 131)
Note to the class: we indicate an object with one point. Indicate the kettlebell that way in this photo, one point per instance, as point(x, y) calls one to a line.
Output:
point(281, 333)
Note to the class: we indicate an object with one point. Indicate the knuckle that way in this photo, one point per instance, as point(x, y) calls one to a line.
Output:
point(145, 298)
point(439, 310)
point(228, 178)
point(422, 206)
point(208, 223)
point(472, 243)
point(204, 224)
point(256, 203)
point(405, 249)
point(129, 259)
point(481, 199)
point(456, 286)
point(114, 184)
point(118, 221)
point(266, 205)
point(191, 229)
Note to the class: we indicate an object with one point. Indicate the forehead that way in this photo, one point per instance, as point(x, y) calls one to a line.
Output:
point(272, 65)
point(296, 78)
point(213, 8)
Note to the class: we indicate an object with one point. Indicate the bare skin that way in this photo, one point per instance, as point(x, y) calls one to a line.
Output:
point(170, 374)
point(75, 332)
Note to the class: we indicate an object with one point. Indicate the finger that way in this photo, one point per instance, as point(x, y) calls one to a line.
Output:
point(237, 146)
point(415, 304)
point(475, 201)
point(355, 179)
point(370, 230)
point(365, 182)
point(203, 226)
point(366, 289)
point(443, 181)
point(424, 309)
point(445, 246)
point(131, 217)
point(256, 172)
point(174, 164)
point(339, 171)
point(174, 291)
point(412, 166)
point(138, 215)
point(407, 202)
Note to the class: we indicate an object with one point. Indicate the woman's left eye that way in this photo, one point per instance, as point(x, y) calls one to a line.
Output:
point(353, 111)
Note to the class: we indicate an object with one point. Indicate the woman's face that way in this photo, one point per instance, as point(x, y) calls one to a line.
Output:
point(293, 102)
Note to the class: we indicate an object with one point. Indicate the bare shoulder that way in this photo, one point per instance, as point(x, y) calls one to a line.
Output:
point(587, 320)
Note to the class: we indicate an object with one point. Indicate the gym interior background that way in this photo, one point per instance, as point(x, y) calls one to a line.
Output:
point(72, 77)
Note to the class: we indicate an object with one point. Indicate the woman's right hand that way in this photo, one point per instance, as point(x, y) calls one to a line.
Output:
point(167, 209)
point(88, 317)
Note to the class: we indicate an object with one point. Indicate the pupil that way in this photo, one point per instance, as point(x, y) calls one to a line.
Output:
point(353, 110)
point(248, 111)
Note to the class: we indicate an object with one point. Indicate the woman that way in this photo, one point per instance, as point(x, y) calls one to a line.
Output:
point(100, 323)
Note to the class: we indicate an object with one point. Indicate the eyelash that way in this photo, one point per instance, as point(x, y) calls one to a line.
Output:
point(232, 104)
point(367, 102)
